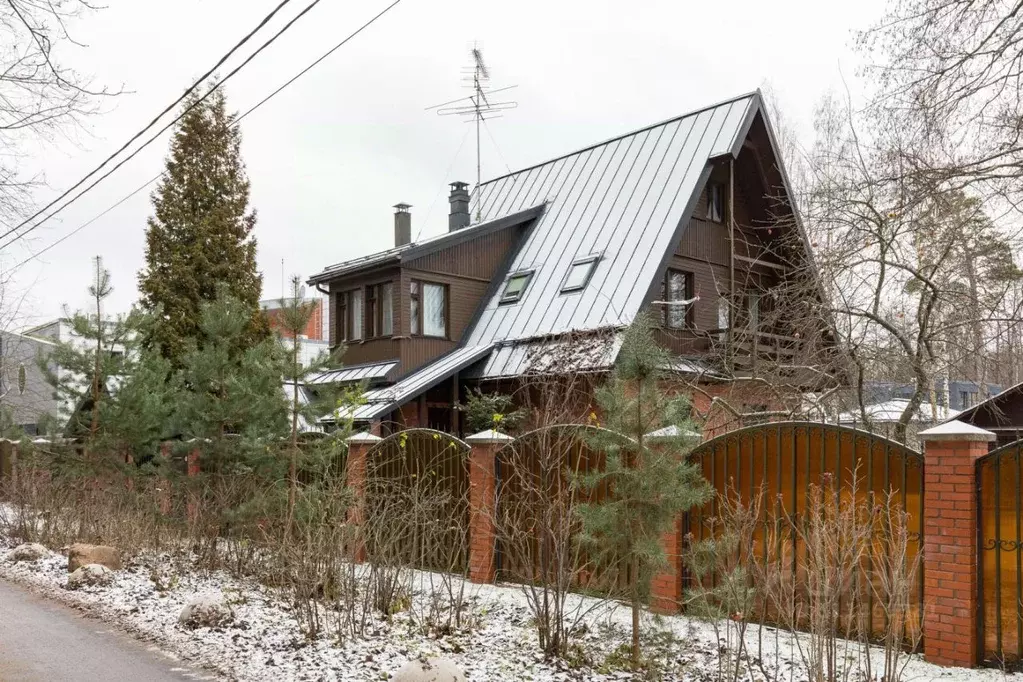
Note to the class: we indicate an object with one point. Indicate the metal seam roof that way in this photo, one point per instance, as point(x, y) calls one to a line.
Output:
point(355, 373)
point(624, 199)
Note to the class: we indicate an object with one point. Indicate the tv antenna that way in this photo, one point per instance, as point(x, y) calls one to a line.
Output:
point(478, 107)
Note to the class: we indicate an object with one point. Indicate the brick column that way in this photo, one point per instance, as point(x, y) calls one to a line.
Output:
point(666, 587)
point(950, 542)
point(359, 446)
point(482, 497)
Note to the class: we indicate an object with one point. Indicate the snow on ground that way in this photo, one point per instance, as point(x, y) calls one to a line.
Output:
point(265, 642)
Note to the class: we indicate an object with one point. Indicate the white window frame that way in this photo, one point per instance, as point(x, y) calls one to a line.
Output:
point(591, 261)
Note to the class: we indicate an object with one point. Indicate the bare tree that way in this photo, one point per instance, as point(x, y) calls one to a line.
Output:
point(40, 96)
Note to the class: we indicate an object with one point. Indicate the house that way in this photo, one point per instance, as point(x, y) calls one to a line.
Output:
point(25, 392)
point(688, 218)
point(26, 397)
point(1002, 414)
point(314, 328)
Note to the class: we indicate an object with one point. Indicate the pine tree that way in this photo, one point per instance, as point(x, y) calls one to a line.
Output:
point(200, 234)
point(295, 315)
point(113, 394)
point(232, 400)
point(652, 482)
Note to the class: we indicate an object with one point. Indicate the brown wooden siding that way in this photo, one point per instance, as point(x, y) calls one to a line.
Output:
point(368, 350)
point(479, 257)
point(464, 296)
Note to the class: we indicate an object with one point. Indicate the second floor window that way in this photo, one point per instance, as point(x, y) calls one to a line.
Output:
point(678, 286)
point(715, 202)
point(429, 309)
point(349, 315)
point(379, 310)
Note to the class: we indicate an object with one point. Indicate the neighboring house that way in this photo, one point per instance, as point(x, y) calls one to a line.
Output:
point(574, 248)
point(313, 329)
point(962, 394)
point(25, 394)
point(1001, 414)
point(19, 354)
point(883, 418)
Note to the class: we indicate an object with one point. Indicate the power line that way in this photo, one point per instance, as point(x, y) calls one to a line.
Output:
point(156, 118)
point(238, 120)
point(135, 153)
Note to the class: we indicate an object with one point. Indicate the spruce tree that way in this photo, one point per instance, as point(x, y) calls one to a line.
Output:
point(199, 237)
point(652, 482)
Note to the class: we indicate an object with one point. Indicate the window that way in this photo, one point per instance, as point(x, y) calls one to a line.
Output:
point(349, 315)
point(723, 312)
point(372, 322)
point(429, 309)
point(678, 286)
point(386, 303)
point(753, 306)
point(516, 286)
point(579, 274)
point(379, 310)
point(715, 202)
point(414, 312)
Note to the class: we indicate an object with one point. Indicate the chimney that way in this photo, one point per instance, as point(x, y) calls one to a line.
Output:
point(402, 224)
point(459, 216)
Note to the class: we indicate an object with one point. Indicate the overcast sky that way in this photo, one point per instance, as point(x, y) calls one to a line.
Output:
point(330, 155)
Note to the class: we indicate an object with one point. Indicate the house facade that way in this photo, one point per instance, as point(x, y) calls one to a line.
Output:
point(541, 270)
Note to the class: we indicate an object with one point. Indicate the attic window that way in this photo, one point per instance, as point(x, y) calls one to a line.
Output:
point(579, 274)
point(715, 202)
point(516, 286)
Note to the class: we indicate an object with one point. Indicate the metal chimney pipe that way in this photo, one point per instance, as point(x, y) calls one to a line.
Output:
point(459, 199)
point(402, 224)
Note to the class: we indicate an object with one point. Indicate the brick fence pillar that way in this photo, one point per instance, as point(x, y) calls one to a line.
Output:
point(666, 586)
point(950, 542)
point(359, 446)
point(482, 498)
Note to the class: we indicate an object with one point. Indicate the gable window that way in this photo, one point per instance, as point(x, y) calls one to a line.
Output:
point(579, 274)
point(429, 310)
point(516, 286)
point(678, 286)
point(715, 202)
point(349, 315)
point(379, 310)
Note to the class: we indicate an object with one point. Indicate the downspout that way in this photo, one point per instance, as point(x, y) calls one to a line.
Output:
point(730, 347)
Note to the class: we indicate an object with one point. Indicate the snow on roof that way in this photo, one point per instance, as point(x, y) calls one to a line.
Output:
point(892, 410)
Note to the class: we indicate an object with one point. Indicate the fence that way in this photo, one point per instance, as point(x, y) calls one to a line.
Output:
point(420, 480)
point(784, 462)
point(1000, 555)
point(535, 509)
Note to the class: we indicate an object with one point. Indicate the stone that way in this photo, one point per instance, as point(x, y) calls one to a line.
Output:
point(81, 554)
point(90, 575)
point(30, 551)
point(206, 611)
point(432, 670)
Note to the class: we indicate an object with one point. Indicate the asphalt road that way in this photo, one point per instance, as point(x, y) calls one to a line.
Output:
point(42, 641)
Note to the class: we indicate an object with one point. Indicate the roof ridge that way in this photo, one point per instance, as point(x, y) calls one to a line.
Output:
point(695, 112)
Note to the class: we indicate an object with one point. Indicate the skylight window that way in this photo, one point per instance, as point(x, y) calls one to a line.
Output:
point(579, 274)
point(516, 287)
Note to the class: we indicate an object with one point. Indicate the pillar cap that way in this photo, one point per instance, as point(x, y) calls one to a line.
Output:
point(364, 437)
point(673, 432)
point(489, 436)
point(956, 430)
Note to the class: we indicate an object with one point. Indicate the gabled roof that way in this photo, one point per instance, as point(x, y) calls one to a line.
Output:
point(429, 245)
point(626, 200)
point(993, 407)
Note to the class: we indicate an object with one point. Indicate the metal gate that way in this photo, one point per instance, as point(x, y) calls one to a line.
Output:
point(1000, 555)
point(536, 510)
point(417, 500)
point(785, 459)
